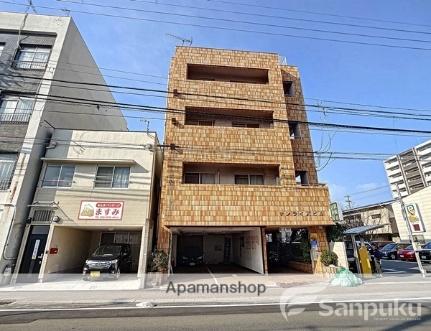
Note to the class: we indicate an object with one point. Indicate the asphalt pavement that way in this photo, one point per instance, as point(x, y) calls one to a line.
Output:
point(250, 317)
point(398, 267)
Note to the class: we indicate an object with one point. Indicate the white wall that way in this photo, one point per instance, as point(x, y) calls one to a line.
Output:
point(210, 243)
point(73, 249)
point(250, 255)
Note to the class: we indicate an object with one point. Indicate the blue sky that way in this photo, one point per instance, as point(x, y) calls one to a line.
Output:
point(329, 70)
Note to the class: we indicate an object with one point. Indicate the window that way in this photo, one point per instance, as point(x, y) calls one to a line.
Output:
point(288, 88)
point(199, 178)
point(301, 177)
point(1, 48)
point(7, 167)
point(249, 180)
point(245, 125)
point(32, 57)
point(16, 109)
point(58, 176)
point(115, 177)
point(294, 130)
point(43, 215)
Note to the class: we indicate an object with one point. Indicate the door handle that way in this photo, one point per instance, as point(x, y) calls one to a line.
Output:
point(40, 256)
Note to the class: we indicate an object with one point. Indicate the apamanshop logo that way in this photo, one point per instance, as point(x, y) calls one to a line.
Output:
point(294, 300)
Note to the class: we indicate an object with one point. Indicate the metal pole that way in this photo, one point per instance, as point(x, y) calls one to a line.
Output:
point(403, 212)
point(355, 254)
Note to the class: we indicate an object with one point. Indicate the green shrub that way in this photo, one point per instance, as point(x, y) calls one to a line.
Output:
point(327, 257)
point(160, 261)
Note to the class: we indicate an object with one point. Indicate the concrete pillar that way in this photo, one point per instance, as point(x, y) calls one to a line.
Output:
point(46, 253)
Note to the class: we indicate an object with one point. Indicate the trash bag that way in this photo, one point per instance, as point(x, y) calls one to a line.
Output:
point(345, 278)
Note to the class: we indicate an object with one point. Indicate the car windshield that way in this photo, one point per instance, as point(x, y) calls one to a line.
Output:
point(388, 247)
point(107, 250)
point(409, 248)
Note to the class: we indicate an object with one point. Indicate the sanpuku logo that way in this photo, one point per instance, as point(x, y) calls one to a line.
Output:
point(387, 310)
point(294, 301)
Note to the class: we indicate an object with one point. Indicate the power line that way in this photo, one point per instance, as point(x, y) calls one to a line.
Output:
point(315, 108)
point(276, 16)
point(176, 93)
point(181, 111)
point(319, 13)
point(363, 43)
point(303, 154)
point(253, 23)
point(370, 190)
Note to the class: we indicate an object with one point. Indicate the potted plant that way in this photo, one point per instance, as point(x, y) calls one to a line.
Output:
point(329, 260)
point(160, 266)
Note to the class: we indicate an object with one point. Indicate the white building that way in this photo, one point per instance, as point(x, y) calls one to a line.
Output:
point(95, 187)
point(36, 52)
point(422, 199)
point(410, 170)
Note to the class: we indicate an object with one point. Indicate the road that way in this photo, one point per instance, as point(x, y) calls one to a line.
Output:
point(215, 318)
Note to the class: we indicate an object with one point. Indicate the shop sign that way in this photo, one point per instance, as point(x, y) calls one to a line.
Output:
point(414, 218)
point(101, 210)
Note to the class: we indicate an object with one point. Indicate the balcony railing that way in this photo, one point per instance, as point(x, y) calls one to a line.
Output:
point(30, 65)
point(15, 118)
point(5, 184)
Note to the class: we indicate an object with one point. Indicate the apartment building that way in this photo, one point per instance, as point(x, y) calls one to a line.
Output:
point(36, 52)
point(239, 183)
point(374, 214)
point(410, 170)
point(95, 188)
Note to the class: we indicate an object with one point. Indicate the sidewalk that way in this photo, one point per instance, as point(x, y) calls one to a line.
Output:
point(283, 288)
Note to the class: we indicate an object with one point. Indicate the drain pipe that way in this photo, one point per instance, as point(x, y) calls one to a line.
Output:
point(6, 273)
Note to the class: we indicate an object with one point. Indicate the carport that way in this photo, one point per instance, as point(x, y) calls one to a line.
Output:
point(68, 247)
point(223, 249)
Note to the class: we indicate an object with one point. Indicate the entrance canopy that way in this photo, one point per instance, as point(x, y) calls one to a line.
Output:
point(362, 229)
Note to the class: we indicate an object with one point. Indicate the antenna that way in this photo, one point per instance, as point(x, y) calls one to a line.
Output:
point(183, 40)
point(30, 5)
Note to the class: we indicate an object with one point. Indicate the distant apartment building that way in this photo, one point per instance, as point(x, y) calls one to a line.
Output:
point(374, 214)
point(36, 53)
point(95, 187)
point(410, 170)
point(239, 183)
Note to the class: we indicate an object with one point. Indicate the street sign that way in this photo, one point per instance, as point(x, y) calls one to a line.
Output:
point(101, 210)
point(335, 212)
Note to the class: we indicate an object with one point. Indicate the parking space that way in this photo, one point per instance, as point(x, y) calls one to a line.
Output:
point(217, 250)
point(68, 251)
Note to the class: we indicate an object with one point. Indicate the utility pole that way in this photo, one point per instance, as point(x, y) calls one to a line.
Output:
point(348, 201)
point(403, 212)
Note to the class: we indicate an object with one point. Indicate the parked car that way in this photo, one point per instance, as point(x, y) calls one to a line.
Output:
point(390, 251)
point(107, 262)
point(192, 256)
point(380, 244)
point(425, 253)
point(407, 254)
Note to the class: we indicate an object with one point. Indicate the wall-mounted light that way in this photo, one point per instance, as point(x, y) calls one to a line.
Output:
point(56, 219)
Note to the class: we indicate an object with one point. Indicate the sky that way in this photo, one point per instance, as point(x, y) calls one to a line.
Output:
point(344, 72)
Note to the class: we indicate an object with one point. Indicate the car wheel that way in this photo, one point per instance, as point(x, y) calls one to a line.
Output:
point(393, 257)
point(117, 275)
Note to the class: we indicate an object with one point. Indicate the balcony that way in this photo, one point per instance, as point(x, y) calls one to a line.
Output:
point(246, 205)
point(5, 184)
point(14, 118)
